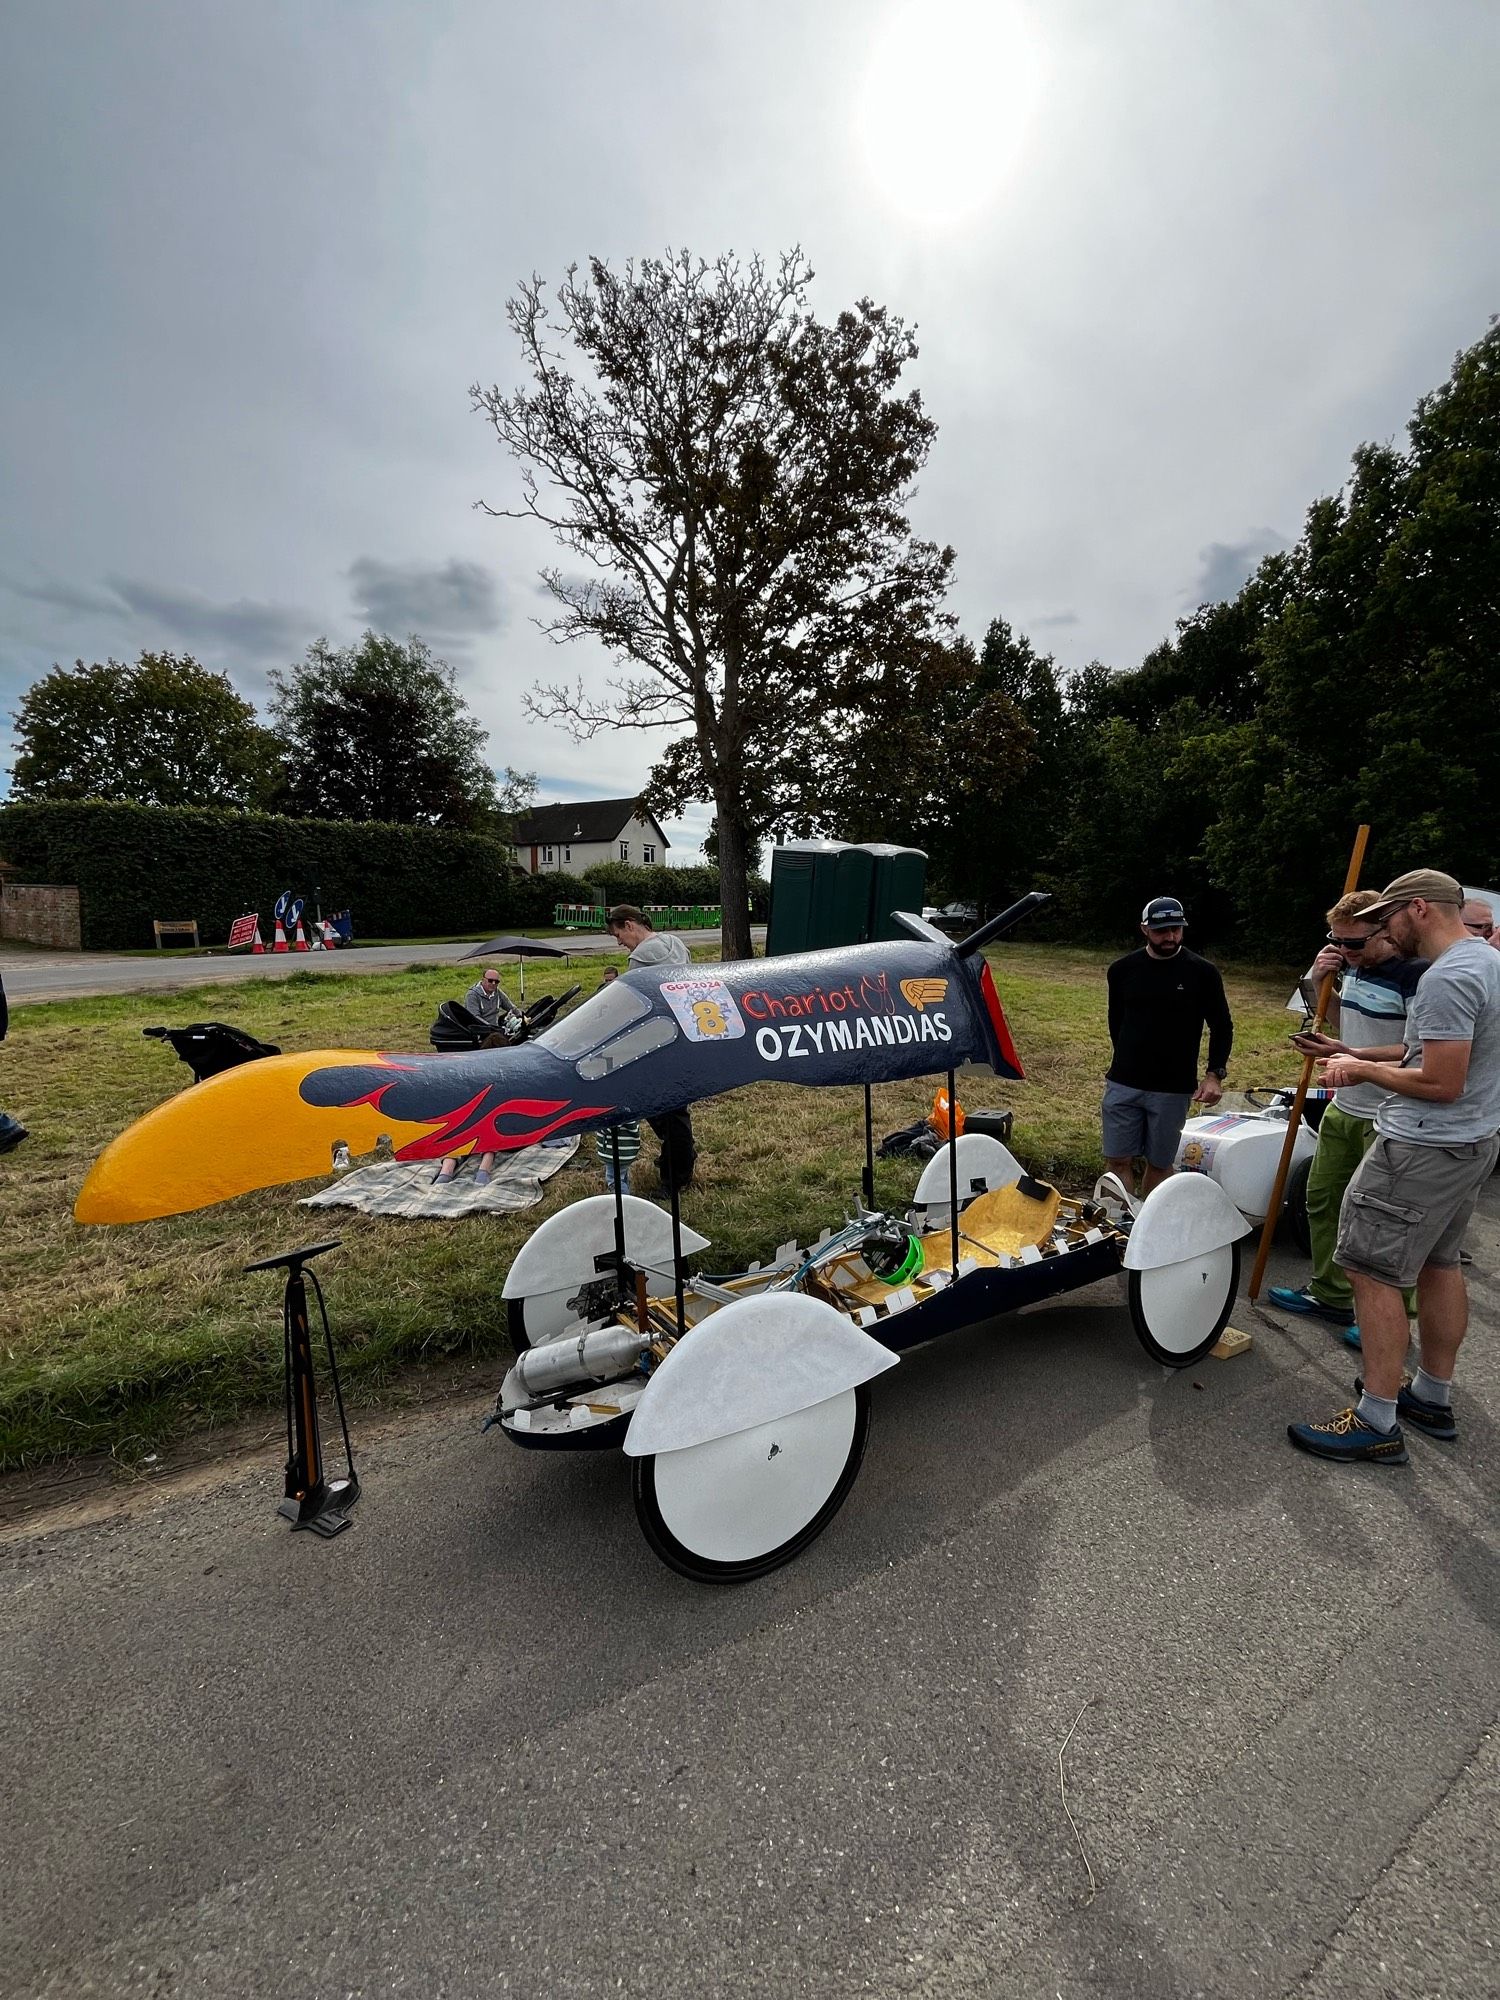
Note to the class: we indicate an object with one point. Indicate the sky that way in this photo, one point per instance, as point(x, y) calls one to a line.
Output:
point(1168, 265)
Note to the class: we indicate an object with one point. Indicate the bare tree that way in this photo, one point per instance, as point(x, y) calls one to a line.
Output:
point(735, 474)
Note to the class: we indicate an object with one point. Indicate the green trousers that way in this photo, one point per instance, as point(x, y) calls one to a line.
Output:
point(1343, 1142)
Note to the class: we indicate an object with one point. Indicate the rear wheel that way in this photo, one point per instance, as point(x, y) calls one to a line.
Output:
point(1295, 1205)
point(738, 1507)
point(1179, 1310)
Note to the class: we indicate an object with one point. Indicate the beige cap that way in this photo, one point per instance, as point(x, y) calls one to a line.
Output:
point(1431, 884)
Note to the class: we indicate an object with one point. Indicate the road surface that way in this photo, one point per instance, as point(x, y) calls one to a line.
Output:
point(57, 975)
point(485, 1744)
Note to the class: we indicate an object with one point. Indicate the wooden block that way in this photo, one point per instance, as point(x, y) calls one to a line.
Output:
point(1229, 1343)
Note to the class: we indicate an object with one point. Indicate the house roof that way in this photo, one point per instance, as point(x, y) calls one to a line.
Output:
point(583, 820)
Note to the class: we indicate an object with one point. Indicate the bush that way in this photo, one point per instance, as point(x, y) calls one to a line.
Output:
point(618, 882)
point(133, 863)
point(531, 899)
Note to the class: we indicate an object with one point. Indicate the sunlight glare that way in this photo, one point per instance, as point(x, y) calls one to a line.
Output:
point(946, 105)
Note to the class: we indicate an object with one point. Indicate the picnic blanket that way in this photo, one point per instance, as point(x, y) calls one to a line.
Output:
point(401, 1187)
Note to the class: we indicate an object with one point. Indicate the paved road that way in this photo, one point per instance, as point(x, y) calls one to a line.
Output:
point(485, 1744)
point(56, 975)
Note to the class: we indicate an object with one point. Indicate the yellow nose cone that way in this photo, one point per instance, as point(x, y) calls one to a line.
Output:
point(243, 1129)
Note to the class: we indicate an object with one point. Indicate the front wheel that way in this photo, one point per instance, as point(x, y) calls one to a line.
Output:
point(1179, 1310)
point(738, 1507)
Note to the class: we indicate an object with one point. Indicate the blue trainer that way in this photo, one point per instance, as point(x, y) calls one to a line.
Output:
point(1343, 1436)
point(1434, 1420)
point(1351, 1337)
point(1292, 1299)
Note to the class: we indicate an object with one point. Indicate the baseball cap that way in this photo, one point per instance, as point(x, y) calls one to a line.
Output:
point(1431, 884)
point(1162, 912)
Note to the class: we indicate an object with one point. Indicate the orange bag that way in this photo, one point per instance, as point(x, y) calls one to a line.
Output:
point(937, 1117)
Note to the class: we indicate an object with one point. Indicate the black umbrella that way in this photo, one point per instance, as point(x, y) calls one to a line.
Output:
point(514, 947)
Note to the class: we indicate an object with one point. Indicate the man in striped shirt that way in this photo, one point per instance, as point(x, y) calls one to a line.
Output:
point(1368, 1016)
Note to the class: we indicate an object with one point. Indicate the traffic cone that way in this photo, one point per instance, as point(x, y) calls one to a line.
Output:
point(257, 943)
point(299, 941)
point(279, 943)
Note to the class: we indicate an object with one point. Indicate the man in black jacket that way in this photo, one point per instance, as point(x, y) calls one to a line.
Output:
point(11, 1134)
point(1160, 1000)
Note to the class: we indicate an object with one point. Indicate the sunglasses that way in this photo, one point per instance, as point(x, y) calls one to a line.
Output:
point(1347, 944)
point(1479, 930)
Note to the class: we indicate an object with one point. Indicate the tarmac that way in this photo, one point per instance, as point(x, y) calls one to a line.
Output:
point(1094, 1687)
point(32, 975)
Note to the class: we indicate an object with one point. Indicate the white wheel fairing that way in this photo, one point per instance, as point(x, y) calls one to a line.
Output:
point(1180, 1309)
point(559, 1256)
point(738, 1507)
point(1183, 1217)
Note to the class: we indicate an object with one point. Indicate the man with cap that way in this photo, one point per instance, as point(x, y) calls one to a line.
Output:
point(1406, 1209)
point(1161, 997)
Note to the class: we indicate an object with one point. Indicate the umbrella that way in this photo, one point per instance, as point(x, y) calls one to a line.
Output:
point(516, 947)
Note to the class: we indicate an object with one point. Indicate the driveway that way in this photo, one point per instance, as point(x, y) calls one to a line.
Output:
point(485, 1744)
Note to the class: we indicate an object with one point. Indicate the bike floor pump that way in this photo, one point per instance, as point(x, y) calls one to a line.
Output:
point(312, 1500)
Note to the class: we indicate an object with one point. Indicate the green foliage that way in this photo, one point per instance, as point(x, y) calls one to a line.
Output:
point(379, 731)
point(620, 882)
point(1349, 680)
point(164, 731)
point(531, 899)
point(133, 863)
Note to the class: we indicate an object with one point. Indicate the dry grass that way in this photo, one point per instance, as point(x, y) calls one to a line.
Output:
point(119, 1340)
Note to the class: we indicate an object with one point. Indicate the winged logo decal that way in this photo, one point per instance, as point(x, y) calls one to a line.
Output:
point(924, 993)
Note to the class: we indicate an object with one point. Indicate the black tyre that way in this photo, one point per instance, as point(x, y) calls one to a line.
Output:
point(1294, 1205)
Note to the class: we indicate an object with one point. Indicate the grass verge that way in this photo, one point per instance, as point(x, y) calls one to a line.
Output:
point(119, 1341)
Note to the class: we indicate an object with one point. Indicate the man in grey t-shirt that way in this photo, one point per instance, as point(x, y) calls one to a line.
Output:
point(1406, 1209)
point(631, 927)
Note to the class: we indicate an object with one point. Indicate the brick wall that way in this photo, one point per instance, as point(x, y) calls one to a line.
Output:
point(40, 913)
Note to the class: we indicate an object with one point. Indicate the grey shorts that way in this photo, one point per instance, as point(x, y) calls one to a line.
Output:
point(1143, 1124)
point(1408, 1206)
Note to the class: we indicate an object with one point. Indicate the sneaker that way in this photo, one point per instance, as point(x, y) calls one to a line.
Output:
point(1343, 1436)
point(1301, 1300)
point(1435, 1419)
point(1351, 1338)
point(11, 1135)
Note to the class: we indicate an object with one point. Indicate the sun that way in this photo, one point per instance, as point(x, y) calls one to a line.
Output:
point(946, 104)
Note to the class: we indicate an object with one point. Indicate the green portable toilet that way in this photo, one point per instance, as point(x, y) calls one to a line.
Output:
point(898, 881)
point(820, 896)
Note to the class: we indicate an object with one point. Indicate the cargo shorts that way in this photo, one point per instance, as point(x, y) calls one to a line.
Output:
point(1408, 1206)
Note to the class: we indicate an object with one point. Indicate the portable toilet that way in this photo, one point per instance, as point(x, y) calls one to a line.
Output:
point(820, 896)
point(898, 881)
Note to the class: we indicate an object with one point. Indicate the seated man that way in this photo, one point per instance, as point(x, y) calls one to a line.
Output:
point(487, 1000)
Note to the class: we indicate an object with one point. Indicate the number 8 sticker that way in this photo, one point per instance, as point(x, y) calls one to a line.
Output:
point(704, 1009)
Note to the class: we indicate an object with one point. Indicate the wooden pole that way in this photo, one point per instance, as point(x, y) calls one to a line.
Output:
point(1351, 883)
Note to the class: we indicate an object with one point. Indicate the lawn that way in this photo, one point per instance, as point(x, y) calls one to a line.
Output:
point(121, 1340)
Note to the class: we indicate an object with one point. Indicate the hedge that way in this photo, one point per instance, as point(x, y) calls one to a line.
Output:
point(134, 863)
point(619, 882)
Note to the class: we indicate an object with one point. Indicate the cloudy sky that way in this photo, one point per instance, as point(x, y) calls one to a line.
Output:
point(1169, 264)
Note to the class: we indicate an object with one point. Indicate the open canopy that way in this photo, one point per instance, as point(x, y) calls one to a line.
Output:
point(515, 947)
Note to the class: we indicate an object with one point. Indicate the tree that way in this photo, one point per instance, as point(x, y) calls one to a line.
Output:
point(1377, 674)
point(164, 731)
point(733, 473)
point(379, 731)
point(918, 754)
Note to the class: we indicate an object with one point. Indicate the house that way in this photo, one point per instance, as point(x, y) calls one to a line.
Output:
point(571, 837)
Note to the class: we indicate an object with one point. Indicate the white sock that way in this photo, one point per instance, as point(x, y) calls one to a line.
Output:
point(1432, 1388)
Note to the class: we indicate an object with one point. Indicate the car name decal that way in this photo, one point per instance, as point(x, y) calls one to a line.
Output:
point(807, 1038)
